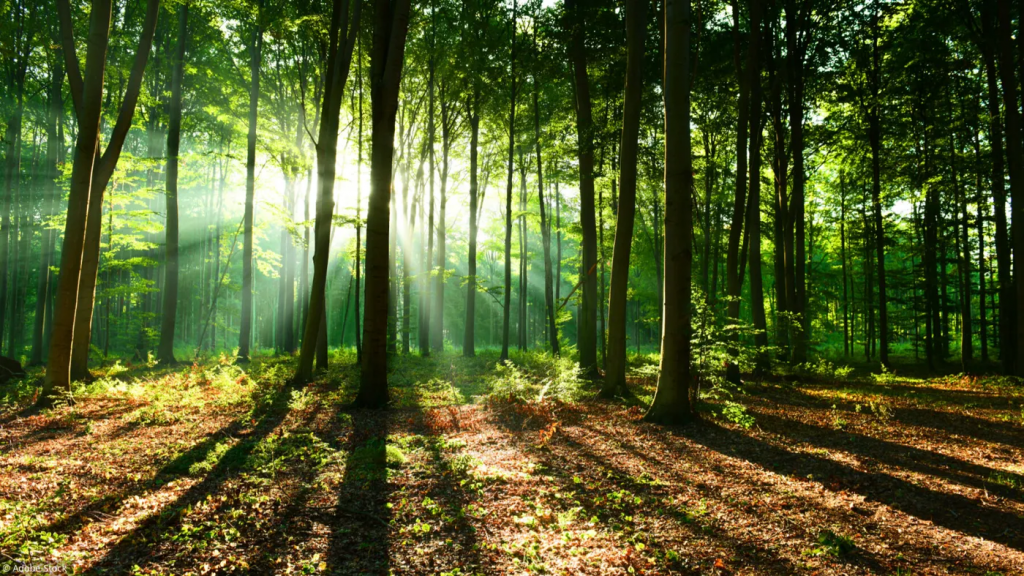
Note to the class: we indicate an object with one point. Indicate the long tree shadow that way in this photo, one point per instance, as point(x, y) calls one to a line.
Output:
point(136, 546)
point(997, 432)
point(360, 519)
point(920, 393)
point(948, 422)
point(72, 521)
point(452, 489)
point(897, 455)
point(950, 511)
point(665, 445)
point(608, 494)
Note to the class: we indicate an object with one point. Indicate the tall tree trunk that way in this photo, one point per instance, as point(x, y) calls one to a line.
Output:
point(442, 258)
point(1015, 160)
point(545, 228)
point(88, 103)
point(165, 350)
point(963, 265)
point(733, 259)
point(795, 62)
point(636, 27)
point(980, 222)
point(587, 337)
point(672, 399)
point(469, 336)
point(558, 248)
point(391, 23)
point(842, 255)
point(508, 189)
point(343, 31)
point(359, 207)
point(255, 61)
point(754, 202)
point(1002, 241)
point(875, 134)
point(782, 223)
point(429, 229)
point(523, 256)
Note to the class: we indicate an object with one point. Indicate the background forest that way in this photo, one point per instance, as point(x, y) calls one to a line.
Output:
point(851, 156)
point(537, 232)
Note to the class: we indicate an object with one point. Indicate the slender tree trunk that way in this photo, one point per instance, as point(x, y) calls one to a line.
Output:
point(754, 202)
point(469, 338)
point(442, 258)
point(875, 134)
point(429, 230)
point(87, 106)
point(1015, 161)
point(359, 207)
point(558, 256)
point(980, 222)
point(343, 31)
point(165, 350)
point(255, 61)
point(1003, 256)
point(675, 386)
point(391, 23)
point(963, 265)
point(636, 27)
point(587, 337)
point(842, 255)
point(733, 259)
point(545, 229)
point(508, 190)
point(523, 256)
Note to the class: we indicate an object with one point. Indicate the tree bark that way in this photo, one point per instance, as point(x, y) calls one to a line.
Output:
point(875, 135)
point(165, 350)
point(587, 336)
point(508, 190)
point(255, 61)
point(88, 103)
point(391, 23)
point(798, 306)
point(1002, 240)
point(636, 27)
point(545, 227)
point(343, 30)
point(469, 335)
point(1015, 161)
point(762, 364)
point(672, 403)
point(733, 260)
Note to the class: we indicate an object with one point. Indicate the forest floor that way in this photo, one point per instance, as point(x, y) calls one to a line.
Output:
point(207, 469)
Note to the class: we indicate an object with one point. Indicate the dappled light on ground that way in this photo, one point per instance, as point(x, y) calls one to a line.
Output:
point(211, 470)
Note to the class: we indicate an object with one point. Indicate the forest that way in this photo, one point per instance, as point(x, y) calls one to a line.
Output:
point(460, 287)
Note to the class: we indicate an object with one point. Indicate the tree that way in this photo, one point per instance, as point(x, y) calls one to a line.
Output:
point(344, 29)
point(672, 404)
point(1015, 162)
point(636, 27)
point(513, 84)
point(587, 329)
point(87, 94)
point(165, 351)
point(390, 25)
point(255, 61)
